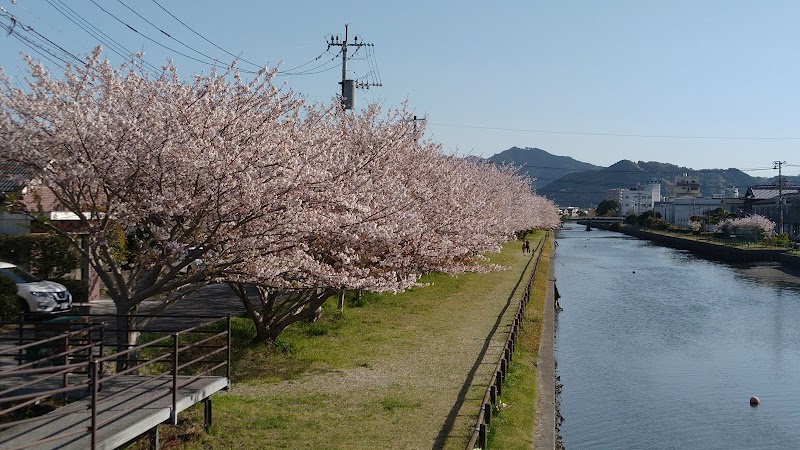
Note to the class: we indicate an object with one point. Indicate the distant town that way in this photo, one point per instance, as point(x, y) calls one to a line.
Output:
point(779, 203)
point(681, 196)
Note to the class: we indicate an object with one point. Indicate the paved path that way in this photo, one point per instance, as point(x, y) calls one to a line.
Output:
point(213, 300)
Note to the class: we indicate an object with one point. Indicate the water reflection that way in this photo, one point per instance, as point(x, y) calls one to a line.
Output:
point(659, 349)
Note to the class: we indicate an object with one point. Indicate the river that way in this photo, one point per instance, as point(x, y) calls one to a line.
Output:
point(660, 349)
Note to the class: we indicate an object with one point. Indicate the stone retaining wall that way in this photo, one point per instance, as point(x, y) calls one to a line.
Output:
point(709, 249)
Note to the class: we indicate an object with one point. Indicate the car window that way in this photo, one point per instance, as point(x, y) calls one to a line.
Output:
point(18, 275)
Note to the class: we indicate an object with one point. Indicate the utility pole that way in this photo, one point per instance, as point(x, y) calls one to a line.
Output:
point(415, 120)
point(777, 165)
point(349, 86)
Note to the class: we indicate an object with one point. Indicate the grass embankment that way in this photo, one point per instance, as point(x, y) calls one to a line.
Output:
point(391, 371)
point(513, 427)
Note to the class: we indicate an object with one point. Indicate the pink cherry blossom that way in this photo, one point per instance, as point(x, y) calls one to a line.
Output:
point(300, 200)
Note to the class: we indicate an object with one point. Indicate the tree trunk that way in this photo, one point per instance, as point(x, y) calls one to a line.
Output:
point(312, 302)
point(126, 338)
point(257, 317)
point(341, 300)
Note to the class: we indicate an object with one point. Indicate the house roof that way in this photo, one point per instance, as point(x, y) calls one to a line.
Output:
point(766, 192)
point(12, 177)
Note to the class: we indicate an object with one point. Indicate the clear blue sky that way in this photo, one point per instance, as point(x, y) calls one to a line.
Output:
point(702, 84)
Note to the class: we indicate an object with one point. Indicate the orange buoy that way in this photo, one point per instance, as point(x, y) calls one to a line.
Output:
point(754, 401)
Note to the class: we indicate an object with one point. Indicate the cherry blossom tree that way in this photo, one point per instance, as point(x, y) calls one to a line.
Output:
point(349, 227)
point(177, 167)
point(752, 222)
point(386, 210)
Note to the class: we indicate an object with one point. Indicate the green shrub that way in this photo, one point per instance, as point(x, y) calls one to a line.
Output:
point(283, 345)
point(46, 255)
point(9, 305)
point(781, 240)
point(630, 219)
point(79, 291)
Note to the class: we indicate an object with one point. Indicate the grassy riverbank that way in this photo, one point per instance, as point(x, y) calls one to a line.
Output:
point(512, 427)
point(391, 371)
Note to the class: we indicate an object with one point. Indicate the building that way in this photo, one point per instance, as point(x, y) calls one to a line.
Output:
point(13, 185)
point(679, 211)
point(639, 199)
point(775, 204)
point(16, 185)
point(570, 211)
point(615, 194)
point(686, 185)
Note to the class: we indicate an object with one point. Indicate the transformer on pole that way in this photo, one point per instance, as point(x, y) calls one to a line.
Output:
point(349, 86)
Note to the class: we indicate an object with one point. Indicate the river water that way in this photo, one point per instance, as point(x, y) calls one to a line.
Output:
point(659, 349)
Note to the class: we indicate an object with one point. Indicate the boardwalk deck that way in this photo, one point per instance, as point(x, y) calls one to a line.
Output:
point(156, 409)
point(169, 373)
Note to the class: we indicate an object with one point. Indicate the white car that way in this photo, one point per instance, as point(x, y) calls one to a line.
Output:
point(37, 296)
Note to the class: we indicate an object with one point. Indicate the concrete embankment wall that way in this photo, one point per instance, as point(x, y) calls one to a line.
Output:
point(709, 249)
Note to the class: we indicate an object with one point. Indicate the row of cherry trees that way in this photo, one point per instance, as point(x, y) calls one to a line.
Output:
point(755, 222)
point(297, 199)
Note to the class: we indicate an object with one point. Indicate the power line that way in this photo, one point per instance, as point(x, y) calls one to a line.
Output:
point(98, 34)
point(35, 47)
point(28, 28)
point(312, 70)
point(41, 47)
point(651, 136)
point(117, 48)
point(286, 72)
point(165, 33)
point(213, 64)
point(378, 81)
point(204, 38)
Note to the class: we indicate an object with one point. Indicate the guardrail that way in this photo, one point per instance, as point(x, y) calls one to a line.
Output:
point(46, 367)
point(163, 365)
point(494, 390)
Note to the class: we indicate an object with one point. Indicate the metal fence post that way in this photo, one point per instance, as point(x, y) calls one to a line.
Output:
point(102, 350)
point(93, 370)
point(174, 413)
point(65, 361)
point(228, 365)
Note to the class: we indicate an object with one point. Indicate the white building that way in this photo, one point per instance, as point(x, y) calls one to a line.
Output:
point(570, 211)
point(638, 200)
point(680, 211)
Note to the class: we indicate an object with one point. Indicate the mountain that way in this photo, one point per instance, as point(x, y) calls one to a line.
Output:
point(539, 164)
point(588, 189)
